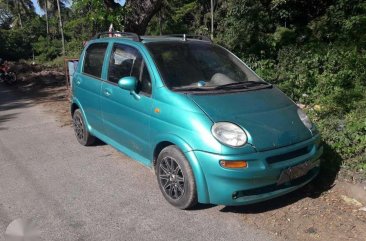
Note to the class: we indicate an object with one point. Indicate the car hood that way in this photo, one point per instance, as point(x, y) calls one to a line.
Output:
point(269, 116)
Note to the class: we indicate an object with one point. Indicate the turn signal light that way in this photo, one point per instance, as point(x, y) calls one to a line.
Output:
point(233, 164)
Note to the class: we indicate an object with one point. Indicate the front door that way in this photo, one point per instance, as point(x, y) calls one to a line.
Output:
point(127, 118)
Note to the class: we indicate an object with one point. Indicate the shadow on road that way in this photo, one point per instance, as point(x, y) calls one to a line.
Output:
point(15, 97)
point(98, 143)
point(5, 118)
point(8, 102)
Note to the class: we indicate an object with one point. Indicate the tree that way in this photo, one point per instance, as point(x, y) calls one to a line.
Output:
point(5, 17)
point(180, 16)
point(139, 14)
point(20, 9)
point(44, 5)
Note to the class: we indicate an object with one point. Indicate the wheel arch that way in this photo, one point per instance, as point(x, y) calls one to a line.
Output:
point(73, 107)
point(76, 105)
point(172, 139)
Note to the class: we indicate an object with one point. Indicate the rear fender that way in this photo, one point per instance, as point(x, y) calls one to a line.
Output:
point(76, 102)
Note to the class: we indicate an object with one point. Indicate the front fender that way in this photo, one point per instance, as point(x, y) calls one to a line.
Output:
point(201, 184)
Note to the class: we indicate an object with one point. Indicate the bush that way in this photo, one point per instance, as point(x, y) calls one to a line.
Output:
point(14, 45)
point(74, 48)
point(47, 49)
point(331, 81)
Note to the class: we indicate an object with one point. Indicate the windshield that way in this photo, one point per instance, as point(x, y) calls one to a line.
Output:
point(195, 64)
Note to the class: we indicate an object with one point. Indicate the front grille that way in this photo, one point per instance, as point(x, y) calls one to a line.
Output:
point(288, 155)
point(275, 187)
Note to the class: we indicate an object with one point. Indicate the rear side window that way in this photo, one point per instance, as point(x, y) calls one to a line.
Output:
point(94, 57)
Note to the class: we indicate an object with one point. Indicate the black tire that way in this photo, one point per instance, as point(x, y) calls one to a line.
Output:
point(81, 132)
point(175, 178)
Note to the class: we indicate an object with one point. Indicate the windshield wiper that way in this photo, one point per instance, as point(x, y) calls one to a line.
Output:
point(236, 85)
point(193, 88)
point(245, 85)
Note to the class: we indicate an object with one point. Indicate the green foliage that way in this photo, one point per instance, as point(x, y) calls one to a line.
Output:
point(74, 48)
point(331, 81)
point(175, 17)
point(344, 21)
point(6, 17)
point(90, 17)
point(240, 29)
point(47, 49)
point(14, 45)
point(283, 36)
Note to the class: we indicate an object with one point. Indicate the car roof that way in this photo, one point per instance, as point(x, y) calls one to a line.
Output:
point(148, 39)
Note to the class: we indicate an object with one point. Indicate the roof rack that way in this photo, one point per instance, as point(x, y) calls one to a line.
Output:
point(133, 36)
point(192, 36)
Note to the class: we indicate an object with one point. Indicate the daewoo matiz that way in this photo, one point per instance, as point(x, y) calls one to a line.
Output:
point(213, 131)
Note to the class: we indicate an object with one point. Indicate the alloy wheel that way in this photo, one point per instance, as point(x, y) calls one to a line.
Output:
point(78, 127)
point(171, 178)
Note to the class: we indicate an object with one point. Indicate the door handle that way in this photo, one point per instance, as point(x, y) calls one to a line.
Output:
point(107, 92)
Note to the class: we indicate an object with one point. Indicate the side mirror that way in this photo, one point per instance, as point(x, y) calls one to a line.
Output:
point(129, 83)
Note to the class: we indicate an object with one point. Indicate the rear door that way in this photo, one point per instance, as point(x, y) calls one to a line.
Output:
point(126, 118)
point(88, 82)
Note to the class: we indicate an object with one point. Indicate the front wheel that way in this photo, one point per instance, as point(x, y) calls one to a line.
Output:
point(175, 178)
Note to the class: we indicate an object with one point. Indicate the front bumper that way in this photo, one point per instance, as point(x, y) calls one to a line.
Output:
point(258, 182)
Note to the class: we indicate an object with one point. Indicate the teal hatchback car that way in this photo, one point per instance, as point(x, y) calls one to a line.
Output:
point(213, 131)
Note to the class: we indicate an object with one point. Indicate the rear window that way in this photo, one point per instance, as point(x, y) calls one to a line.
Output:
point(94, 57)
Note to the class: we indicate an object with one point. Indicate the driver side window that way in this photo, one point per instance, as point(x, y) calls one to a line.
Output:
point(127, 61)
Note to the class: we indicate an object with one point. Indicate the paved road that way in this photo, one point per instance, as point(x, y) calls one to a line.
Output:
point(81, 193)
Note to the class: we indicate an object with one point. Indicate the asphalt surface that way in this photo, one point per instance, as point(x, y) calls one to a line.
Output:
point(81, 193)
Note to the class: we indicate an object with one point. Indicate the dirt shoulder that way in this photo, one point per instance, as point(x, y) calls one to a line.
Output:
point(46, 86)
point(329, 208)
point(311, 214)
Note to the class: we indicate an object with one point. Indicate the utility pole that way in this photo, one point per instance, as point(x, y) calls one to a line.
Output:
point(212, 19)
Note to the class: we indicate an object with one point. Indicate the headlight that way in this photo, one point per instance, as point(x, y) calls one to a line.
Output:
point(304, 118)
point(229, 134)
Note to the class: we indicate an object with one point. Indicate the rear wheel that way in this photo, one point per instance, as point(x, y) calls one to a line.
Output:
point(81, 132)
point(175, 178)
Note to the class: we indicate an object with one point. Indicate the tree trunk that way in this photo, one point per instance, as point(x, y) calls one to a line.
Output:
point(61, 27)
point(46, 11)
point(19, 15)
point(160, 25)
